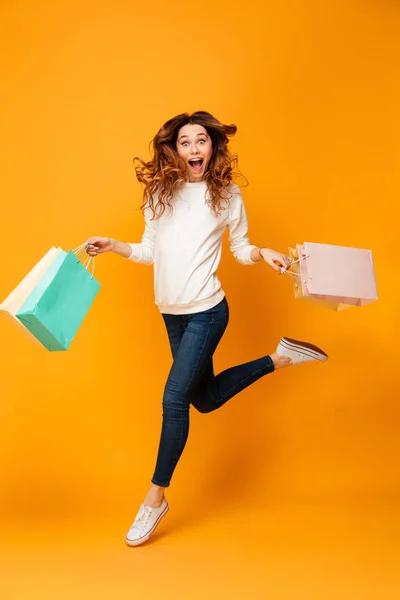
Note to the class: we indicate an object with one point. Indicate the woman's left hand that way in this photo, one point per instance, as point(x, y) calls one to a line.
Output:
point(279, 262)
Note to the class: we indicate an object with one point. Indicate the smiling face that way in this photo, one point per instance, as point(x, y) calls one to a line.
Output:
point(194, 146)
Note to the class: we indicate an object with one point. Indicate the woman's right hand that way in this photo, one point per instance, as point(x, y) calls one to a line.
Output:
point(98, 245)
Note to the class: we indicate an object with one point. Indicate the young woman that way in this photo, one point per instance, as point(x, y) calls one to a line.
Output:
point(189, 200)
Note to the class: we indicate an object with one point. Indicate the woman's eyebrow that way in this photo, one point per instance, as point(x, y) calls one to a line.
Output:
point(197, 135)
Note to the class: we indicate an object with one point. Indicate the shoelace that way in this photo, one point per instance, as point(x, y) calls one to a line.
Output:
point(142, 518)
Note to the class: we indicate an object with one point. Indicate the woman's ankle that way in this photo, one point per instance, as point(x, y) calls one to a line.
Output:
point(280, 361)
point(154, 496)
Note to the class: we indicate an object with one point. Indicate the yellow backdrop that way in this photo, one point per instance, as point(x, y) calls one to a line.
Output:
point(314, 90)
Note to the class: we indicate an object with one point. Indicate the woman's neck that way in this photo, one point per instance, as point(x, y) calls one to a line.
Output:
point(192, 184)
point(191, 180)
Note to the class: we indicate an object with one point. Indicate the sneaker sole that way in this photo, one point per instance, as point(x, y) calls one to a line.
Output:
point(146, 537)
point(308, 349)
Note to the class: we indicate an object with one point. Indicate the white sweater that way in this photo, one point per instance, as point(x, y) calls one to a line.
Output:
point(185, 247)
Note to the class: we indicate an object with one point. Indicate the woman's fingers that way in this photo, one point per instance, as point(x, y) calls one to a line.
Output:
point(98, 245)
point(286, 261)
point(275, 264)
point(280, 260)
point(92, 250)
point(281, 263)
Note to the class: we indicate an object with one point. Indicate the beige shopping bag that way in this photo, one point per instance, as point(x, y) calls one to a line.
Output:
point(336, 277)
point(15, 300)
point(298, 288)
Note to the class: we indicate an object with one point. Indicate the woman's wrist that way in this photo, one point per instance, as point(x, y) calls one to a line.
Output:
point(256, 255)
point(122, 248)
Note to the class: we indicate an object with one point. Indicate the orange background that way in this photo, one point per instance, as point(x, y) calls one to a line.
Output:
point(290, 490)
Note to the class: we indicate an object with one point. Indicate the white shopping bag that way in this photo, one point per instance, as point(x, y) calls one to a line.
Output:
point(15, 300)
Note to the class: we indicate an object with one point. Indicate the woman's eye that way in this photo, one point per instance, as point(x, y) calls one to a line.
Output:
point(202, 141)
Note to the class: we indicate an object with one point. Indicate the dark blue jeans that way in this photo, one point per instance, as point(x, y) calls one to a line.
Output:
point(193, 339)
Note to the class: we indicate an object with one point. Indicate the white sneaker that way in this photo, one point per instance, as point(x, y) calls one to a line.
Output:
point(145, 523)
point(300, 352)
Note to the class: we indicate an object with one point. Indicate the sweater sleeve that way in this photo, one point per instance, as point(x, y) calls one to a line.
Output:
point(144, 252)
point(238, 240)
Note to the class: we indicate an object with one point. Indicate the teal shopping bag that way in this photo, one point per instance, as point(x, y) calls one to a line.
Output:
point(56, 307)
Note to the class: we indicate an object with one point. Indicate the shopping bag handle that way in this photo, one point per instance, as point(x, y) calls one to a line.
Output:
point(88, 260)
point(287, 272)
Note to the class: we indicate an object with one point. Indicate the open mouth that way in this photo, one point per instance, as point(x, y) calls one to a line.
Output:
point(196, 163)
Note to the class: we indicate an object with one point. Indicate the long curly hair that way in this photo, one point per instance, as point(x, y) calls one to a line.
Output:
point(166, 171)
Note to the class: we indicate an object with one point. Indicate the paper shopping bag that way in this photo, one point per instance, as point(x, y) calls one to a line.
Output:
point(14, 301)
point(298, 290)
point(55, 309)
point(336, 277)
